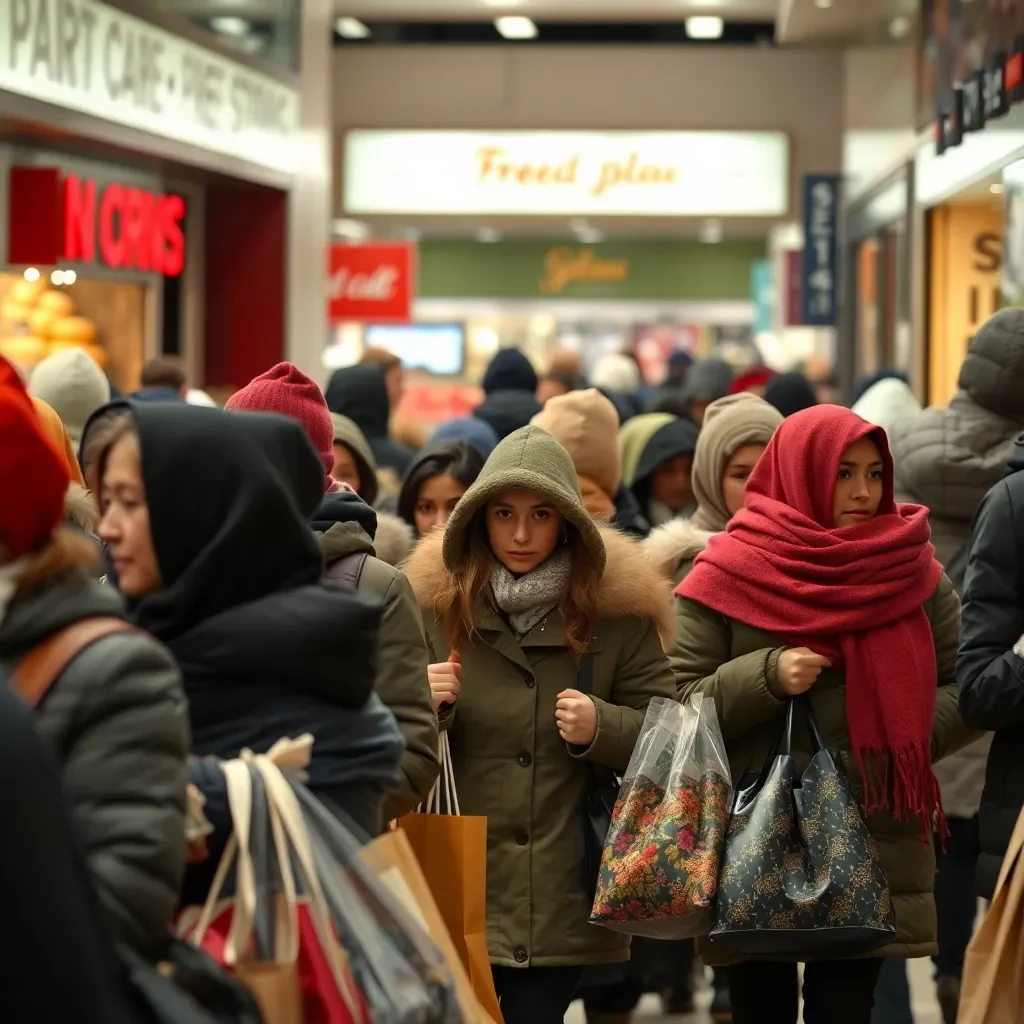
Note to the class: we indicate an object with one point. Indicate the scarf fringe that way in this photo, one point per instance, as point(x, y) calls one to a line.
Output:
point(902, 781)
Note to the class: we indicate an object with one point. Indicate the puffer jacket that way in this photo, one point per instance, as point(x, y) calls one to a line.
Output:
point(990, 662)
point(117, 719)
point(947, 459)
point(345, 526)
point(511, 764)
point(736, 664)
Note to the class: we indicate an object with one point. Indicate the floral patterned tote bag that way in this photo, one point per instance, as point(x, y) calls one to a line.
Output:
point(801, 878)
point(660, 863)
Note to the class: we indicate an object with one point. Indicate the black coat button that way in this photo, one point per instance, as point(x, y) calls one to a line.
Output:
point(529, 680)
point(523, 837)
point(521, 956)
point(525, 759)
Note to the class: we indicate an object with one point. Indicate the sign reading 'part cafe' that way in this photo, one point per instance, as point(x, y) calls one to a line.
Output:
point(96, 59)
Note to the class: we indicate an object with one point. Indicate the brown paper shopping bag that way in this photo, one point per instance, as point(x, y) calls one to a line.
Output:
point(452, 851)
point(992, 990)
point(391, 858)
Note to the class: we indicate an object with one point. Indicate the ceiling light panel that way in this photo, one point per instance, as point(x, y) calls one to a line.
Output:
point(516, 27)
point(705, 26)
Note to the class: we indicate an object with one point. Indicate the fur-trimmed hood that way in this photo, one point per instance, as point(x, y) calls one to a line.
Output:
point(80, 509)
point(630, 587)
point(672, 544)
point(393, 540)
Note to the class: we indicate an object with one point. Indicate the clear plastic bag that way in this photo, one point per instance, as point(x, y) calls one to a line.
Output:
point(400, 971)
point(659, 870)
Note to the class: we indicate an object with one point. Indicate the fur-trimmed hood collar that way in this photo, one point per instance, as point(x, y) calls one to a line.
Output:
point(393, 540)
point(80, 509)
point(630, 586)
point(670, 545)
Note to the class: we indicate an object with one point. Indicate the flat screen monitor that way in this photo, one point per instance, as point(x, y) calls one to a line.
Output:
point(432, 348)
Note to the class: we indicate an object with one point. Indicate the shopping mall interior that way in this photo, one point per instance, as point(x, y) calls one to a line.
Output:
point(826, 186)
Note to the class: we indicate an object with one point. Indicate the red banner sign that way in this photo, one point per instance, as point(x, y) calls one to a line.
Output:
point(375, 282)
point(74, 220)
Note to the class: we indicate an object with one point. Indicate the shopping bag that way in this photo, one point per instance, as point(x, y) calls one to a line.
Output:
point(992, 988)
point(275, 931)
point(800, 876)
point(392, 860)
point(452, 852)
point(401, 972)
point(659, 868)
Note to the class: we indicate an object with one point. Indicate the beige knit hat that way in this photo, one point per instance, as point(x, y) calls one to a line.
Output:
point(586, 424)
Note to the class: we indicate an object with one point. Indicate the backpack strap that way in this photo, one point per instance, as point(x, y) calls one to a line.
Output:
point(347, 571)
point(38, 670)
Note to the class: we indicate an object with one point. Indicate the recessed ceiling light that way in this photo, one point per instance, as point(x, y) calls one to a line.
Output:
point(899, 26)
point(705, 26)
point(823, 5)
point(488, 235)
point(711, 232)
point(516, 27)
point(351, 230)
point(503, 3)
point(351, 28)
point(229, 25)
point(996, 189)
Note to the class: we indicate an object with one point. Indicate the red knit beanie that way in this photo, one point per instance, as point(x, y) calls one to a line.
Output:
point(286, 390)
point(33, 475)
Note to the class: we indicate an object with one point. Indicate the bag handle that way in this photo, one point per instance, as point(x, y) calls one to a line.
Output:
point(285, 809)
point(38, 670)
point(445, 783)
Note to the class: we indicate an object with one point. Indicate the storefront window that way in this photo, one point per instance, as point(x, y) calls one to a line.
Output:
point(269, 29)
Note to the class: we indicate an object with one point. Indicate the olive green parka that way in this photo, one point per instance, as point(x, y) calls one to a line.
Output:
point(511, 764)
point(737, 664)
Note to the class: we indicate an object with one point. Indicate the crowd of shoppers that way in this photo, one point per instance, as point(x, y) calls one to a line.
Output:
point(526, 582)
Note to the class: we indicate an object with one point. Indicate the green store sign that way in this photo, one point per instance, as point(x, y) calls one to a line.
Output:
point(670, 271)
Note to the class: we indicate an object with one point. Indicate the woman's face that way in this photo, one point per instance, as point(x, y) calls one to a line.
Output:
point(859, 485)
point(671, 484)
point(346, 469)
point(737, 471)
point(124, 526)
point(436, 502)
point(524, 528)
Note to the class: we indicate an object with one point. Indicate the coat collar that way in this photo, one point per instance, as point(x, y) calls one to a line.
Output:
point(630, 587)
point(670, 545)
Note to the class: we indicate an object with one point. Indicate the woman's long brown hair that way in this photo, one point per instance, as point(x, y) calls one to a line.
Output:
point(463, 590)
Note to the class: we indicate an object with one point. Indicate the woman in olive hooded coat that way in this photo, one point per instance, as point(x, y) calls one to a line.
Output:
point(521, 584)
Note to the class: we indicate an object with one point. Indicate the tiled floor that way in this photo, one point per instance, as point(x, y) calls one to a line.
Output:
point(926, 1010)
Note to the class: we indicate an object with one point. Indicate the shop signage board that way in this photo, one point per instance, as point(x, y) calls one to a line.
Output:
point(819, 279)
point(559, 173)
point(71, 219)
point(375, 282)
point(621, 271)
point(96, 59)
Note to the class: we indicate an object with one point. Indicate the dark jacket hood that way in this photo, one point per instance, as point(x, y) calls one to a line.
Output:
point(344, 525)
point(510, 370)
point(361, 393)
point(157, 395)
point(506, 411)
point(993, 369)
point(676, 438)
point(629, 517)
point(230, 495)
point(790, 393)
point(1016, 463)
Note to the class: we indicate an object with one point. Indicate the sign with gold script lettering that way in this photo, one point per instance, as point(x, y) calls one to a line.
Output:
point(537, 173)
point(564, 267)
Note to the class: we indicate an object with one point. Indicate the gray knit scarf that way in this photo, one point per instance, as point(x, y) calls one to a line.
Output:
point(527, 599)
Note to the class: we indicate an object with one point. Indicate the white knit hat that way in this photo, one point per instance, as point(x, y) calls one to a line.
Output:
point(72, 385)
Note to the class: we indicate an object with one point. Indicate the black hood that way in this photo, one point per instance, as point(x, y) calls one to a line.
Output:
point(230, 495)
point(507, 411)
point(345, 507)
point(676, 438)
point(629, 517)
point(790, 393)
point(1016, 463)
point(510, 370)
point(361, 394)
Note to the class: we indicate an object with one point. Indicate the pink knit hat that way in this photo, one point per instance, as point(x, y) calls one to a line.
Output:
point(286, 390)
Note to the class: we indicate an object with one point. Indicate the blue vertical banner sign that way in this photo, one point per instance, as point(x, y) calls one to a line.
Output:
point(821, 250)
point(762, 295)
